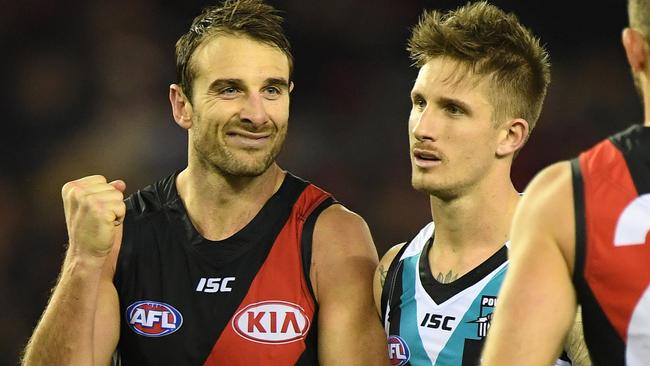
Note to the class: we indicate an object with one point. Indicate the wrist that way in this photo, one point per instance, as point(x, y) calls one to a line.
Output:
point(84, 259)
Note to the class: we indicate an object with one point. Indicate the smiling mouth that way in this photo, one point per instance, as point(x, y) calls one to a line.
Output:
point(249, 135)
point(249, 140)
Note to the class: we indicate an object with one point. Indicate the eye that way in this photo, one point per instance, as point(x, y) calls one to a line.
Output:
point(454, 110)
point(229, 91)
point(419, 103)
point(272, 92)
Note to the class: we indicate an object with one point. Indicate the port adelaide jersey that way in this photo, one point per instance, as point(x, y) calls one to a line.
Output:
point(430, 323)
point(246, 300)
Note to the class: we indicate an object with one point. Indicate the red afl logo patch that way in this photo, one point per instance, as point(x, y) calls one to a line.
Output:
point(271, 322)
point(153, 319)
point(398, 351)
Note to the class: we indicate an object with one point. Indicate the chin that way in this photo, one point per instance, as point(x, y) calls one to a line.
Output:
point(432, 188)
point(246, 168)
point(420, 184)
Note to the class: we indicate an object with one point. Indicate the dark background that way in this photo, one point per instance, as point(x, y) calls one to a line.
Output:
point(84, 91)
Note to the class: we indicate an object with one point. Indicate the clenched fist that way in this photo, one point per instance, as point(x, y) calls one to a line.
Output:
point(94, 211)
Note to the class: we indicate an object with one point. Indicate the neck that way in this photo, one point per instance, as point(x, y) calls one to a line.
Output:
point(470, 227)
point(220, 205)
point(477, 218)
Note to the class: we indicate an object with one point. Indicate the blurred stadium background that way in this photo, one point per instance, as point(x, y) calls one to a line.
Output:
point(85, 92)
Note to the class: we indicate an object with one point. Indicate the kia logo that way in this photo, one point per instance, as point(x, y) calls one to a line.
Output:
point(271, 322)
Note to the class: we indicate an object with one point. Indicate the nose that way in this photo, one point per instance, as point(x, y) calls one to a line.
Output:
point(253, 110)
point(423, 125)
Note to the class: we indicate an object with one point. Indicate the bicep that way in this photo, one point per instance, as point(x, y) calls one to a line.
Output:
point(538, 287)
point(344, 260)
point(381, 272)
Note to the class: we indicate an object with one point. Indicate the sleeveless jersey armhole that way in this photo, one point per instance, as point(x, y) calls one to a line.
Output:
point(307, 241)
point(389, 283)
point(579, 214)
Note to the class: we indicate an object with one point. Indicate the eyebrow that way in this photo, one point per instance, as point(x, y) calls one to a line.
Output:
point(416, 95)
point(279, 82)
point(218, 84)
point(442, 101)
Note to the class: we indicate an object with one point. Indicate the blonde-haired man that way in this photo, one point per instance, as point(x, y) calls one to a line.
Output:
point(480, 88)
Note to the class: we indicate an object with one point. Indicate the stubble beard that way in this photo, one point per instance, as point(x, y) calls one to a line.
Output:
point(220, 159)
point(444, 191)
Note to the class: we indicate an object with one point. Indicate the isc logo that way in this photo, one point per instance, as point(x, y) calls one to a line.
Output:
point(214, 284)
point(153, 319)
point(398, 351)
point(435, 321)
point(271, 322)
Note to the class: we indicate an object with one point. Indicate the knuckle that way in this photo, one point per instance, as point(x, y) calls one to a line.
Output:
point(99, 178)
point(72, 192)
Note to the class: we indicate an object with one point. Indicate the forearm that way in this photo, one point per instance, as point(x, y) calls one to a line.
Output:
point(64, 335)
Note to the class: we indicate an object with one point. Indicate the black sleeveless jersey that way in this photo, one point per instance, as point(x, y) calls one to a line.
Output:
point(611, 190)
point(246, 300)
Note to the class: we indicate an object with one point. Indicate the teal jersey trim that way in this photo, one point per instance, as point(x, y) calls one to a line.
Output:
point(409, 323)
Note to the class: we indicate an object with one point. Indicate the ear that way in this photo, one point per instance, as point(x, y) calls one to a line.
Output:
point(635, 49)
point(181, 106)
point(291, 85)
point(512, 137)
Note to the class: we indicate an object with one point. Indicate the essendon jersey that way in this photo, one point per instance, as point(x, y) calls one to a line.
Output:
point(611, 184)
point(246, 300)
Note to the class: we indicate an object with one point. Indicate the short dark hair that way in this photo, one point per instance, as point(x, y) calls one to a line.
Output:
point(490, 43)
point(250, 18)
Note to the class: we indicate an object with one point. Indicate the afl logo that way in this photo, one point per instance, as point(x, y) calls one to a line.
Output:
point(271, 322)
point(398, 351)
point(153, 319)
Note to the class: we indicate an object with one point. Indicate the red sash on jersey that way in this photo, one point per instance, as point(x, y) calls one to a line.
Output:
point(272, 321)
point(617, 274)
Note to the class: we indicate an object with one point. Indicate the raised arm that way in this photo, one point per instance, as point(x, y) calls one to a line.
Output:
point(344, 259)
point(80, 325)
point(537, 304)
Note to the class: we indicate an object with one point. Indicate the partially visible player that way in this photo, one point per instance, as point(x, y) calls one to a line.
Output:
point(580, 236)
point(479, 92)
point(231, 261)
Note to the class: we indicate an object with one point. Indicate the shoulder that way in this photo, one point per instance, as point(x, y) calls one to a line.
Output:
point(152, 198)
point(548, 188)
point(550, 178)
point(546, 211)
point(338, 228)
point(390, 255)
point(342, 247)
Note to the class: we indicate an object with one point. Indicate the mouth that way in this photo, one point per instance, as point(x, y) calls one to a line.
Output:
point(424, 158)
point(247, 139)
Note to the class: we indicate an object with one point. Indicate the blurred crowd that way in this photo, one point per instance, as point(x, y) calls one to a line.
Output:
point(85, 92)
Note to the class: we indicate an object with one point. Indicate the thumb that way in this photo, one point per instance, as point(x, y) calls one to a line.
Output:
point(119, 184)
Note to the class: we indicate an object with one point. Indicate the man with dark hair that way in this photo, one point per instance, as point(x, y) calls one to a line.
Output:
point(580, 236)
point(231, 261)
point(479, 91)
